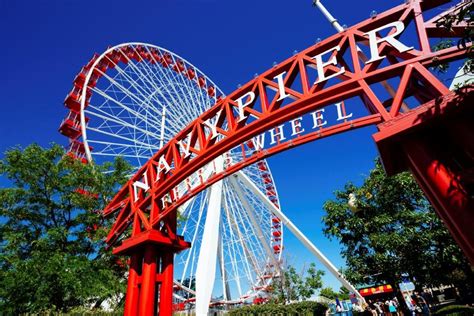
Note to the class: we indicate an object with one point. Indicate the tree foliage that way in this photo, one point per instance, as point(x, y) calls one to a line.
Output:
point(459, 310)
point(463, 16)
point(392, 231)
point(328, 292)
point(296, 286)
point(52, 254)
point(300, 308)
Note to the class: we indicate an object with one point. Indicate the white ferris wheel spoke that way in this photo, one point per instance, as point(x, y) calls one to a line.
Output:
point(118, 121)
point(143, 79)
point(141, 91)
point(166, 74)
point(253, 220)
point(126, 91)
point(134, 141)
point(246, 256)
point(192, 252)
point(125, 107)
point(233, 253)
point(180, 104)
point(182, 211)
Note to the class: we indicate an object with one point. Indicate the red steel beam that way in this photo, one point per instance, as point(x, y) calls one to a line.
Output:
point(236, 131)
point(250, 111)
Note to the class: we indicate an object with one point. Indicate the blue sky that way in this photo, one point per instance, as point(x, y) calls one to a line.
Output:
point(45, 43)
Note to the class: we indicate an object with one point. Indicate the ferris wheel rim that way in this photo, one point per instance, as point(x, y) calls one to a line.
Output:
point(89, 75)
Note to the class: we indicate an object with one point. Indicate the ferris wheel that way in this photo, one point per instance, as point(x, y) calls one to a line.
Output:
point(131, 100)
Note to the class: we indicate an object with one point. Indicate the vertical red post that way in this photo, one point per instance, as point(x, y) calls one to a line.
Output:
point(451, 202)
point(131, 300)
point(166, 289)
point(147, 291)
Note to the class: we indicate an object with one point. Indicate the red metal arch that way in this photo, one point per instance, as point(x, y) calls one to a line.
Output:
point(339, 71)
point(262, 114)
point(125, 53)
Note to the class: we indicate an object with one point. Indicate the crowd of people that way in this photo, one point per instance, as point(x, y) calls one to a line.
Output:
point(415, 304)
point(381, 307)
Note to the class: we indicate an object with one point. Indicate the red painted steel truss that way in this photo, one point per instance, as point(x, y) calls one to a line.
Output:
point(252, 110)
point(344, 66)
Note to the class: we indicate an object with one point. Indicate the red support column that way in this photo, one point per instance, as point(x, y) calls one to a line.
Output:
point(147, 291)
point(435, 143)
point(451, 202)
point(166, 289)
point(152, 254)
point(167, 258)
point(131, 301)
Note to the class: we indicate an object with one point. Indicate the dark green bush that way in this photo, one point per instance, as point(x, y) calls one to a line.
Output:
point(301, 308)
point(460, 310)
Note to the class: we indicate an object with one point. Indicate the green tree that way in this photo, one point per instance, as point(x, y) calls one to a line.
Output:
point(343, 293)
point(294, 286)
point(464, 16)
point(388, 229)
point(328, 292)
point(52, 254)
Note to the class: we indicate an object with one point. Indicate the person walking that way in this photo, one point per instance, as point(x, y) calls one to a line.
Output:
point(379, 308)
point(391, 307)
